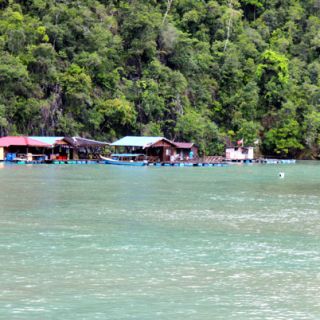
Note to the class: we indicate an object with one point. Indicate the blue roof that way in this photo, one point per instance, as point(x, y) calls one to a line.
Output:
point(48, 140)
point(132, 141)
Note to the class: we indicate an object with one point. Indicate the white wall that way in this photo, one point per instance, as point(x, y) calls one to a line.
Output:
point(239, 154)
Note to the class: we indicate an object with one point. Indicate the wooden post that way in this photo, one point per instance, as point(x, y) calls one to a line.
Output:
point(163, 154)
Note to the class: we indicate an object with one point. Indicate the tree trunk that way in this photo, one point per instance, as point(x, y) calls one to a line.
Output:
point(229, 25)
point(167, 11)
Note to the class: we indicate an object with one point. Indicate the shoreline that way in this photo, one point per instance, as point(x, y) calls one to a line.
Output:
point(155, 164)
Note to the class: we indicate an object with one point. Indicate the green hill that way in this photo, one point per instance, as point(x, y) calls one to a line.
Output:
point(201, 70)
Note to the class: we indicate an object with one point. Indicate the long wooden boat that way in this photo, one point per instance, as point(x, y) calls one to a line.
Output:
point(126, 159)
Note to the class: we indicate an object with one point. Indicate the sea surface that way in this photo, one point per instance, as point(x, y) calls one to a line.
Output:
point(107, 242)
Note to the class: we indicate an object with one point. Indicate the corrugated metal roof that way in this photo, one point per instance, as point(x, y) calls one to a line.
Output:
point(48, 140)
point(79, 142)
point(133, 141)
point(21, 141)
point(184, 145)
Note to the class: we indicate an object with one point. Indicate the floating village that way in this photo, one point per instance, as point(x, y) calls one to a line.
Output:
point(130, 151)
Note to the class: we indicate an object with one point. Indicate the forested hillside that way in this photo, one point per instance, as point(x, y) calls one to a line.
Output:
point(210, 71)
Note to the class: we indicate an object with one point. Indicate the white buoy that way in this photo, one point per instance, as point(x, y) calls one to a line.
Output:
point(281, 175)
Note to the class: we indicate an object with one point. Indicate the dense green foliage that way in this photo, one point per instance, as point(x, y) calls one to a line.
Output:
point(205, 70)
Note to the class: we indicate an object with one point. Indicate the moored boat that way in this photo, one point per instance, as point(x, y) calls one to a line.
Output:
point(126, 159)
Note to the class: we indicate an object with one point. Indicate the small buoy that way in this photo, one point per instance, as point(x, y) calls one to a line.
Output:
point(281, 175)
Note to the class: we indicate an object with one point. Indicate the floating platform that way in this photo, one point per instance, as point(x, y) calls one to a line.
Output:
point(56, 162)
point(76, 162)
point(27, 162)
point(276, 161)
point(187, 164)
point(160, 164)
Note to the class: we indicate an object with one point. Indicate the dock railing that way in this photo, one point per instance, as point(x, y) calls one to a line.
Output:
point(212, 159)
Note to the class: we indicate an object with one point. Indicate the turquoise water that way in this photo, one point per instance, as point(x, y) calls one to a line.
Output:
point(103, 242)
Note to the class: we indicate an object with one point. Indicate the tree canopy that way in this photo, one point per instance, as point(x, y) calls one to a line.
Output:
point(209, 71)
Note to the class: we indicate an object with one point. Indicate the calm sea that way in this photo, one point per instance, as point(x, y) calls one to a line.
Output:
point(104, 242)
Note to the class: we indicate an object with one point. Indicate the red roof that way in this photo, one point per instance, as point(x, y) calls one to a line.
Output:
point(21, 141)
point(184, 145)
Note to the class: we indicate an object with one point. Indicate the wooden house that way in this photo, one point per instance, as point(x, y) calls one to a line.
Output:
point(82, 148)
point(49, 148)
point(73, 148)
point(55, 150)
point(186, 151)
point(155, 148)
point(15, 147)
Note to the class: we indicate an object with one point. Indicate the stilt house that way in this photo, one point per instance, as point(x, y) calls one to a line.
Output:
point(155, 148)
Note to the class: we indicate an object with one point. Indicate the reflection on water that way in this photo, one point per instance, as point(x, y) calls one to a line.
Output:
point(103, 242)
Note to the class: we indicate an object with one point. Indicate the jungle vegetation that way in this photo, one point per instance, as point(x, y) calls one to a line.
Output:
point(210, 71)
